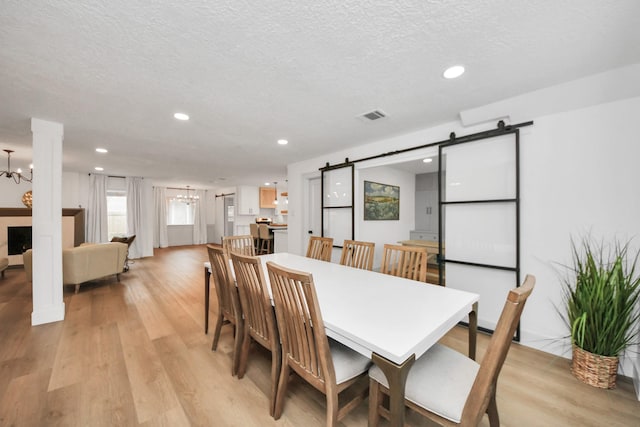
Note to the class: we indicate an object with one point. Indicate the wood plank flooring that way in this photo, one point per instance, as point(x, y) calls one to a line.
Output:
point(134, 353)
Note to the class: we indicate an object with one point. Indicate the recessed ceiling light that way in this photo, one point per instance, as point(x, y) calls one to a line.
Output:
point(453, 72)
point(181, 116)
point(427, 160)
point(98, 168)
point(102, 150)
point(283, 142)
point(267, 183)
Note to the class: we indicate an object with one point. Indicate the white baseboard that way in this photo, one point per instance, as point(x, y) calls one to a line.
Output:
point(636, 378)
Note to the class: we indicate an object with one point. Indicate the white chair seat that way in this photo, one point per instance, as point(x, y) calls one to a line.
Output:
point(440, 381)
point(347, 363)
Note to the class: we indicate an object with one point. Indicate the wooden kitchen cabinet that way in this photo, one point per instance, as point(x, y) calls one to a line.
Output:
point(267, 197)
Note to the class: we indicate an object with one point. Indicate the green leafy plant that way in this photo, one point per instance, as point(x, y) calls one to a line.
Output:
point(602, 292)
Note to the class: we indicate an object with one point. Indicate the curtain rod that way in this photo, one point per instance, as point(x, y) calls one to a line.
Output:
point(116, 176)
point(225, 195)
point(500, 130)
point(179, 188)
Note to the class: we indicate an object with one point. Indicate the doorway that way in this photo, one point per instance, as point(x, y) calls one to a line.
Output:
point(313, 218)
point(229, 216)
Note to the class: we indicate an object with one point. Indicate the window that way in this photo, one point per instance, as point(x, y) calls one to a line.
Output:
point(180, 212)
point(116, 213)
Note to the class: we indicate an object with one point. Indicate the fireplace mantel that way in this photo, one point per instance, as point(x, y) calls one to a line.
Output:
point(77, 214)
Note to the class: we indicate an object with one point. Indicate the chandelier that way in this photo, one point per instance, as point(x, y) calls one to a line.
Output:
point(17, 174)
point(188, 198)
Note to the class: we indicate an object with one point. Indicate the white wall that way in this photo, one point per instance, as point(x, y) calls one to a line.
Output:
point(579, 173)
point(72, 197)
point(381, 232)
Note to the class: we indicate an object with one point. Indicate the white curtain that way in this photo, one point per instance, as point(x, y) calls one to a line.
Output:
point(200, 219)
point(135, 216)
point(97, 231)
point(160, 235)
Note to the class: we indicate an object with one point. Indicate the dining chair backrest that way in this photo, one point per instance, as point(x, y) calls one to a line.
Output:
point(357, 254)
point(496, 353)
point(409, 262)
point(301, 327)
point(254, 299)
point(259, 317)
point(228, 300)
point(320, 248)
point(238, 244)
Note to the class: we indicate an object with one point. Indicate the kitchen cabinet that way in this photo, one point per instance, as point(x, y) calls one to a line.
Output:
point(426, 205)
point(423, 235)
point(267, 197)
point(247, 200)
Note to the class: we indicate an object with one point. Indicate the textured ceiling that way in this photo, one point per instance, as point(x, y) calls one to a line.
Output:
point(251, 72)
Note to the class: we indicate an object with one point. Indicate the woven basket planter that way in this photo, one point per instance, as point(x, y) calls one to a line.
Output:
point(597, 371)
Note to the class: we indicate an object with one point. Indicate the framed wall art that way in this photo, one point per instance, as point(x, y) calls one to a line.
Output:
point(381, 202)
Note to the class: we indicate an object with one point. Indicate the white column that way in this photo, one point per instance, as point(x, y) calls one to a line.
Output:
point(48, 305)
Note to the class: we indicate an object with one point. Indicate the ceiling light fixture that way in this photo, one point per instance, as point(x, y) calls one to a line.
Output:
point(102, 150)
point(427, 160)
point(188, 199)
point(181, 116)
point(17, 174)
point(98, 168)
point(453, 72)
point(275, 202)
point(283, 142)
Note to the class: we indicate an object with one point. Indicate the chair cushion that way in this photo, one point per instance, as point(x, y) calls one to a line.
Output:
point(347, 363)
point(207, 265)
point(439, 381)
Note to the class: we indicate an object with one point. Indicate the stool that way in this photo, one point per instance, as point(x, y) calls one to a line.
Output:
point(255, 234)
point(4, 263)
point(265, 239)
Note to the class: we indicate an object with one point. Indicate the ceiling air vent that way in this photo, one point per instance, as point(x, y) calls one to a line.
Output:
point(374, 115)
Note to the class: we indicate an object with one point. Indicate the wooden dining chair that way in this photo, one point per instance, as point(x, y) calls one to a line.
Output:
point(229, 311)
point(259, 317)
point(327, 365)
point(357, 254)
point(320, 248)
point(239, 244)
point(409, 262)
point(449, 388)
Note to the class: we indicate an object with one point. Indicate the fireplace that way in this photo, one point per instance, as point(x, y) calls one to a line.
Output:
point(18, 240)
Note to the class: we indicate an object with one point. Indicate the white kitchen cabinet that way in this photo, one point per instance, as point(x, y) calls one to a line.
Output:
point(247, 200)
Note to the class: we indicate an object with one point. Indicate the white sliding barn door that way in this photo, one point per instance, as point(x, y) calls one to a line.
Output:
point(479, 227)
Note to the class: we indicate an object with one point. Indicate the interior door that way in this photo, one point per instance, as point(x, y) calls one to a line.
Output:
point(314, 217)
point(479, 226)
point(229, 215)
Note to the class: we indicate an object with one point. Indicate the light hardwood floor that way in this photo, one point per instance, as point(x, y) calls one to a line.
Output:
point(134, 353)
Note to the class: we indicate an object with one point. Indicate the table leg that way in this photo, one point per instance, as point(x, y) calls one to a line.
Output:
point(473, 330)
point(207, 279)
point(397, 378)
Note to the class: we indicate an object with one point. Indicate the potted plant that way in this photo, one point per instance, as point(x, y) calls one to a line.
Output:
point(601, 294)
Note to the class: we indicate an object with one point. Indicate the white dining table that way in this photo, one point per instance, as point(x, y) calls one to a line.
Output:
point(389, 319)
